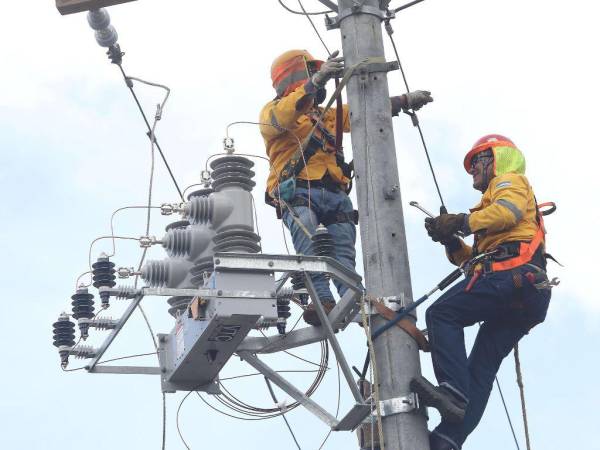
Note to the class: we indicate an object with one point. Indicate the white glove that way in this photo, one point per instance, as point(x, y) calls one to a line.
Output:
point(332, 67)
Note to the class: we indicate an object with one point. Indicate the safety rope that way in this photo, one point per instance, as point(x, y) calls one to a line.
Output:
point(522, 393)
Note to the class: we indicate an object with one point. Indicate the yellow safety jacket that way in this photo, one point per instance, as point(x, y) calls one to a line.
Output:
point(281, 144)
point(507, 212)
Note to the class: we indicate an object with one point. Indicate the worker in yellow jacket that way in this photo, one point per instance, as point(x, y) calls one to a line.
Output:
point(309, 177)
point(507, 291)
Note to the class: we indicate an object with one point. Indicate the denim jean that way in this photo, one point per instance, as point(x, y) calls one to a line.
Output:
point(506, 312)
point(323, 201)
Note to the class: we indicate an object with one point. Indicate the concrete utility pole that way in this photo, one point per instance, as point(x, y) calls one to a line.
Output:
point(381, 221)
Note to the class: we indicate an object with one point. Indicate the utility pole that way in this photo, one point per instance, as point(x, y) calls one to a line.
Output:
point(382, 230)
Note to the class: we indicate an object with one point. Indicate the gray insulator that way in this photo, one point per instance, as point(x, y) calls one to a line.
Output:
point(126, 292)
point(178, 225)
point(177, 242)
point(285, 293)
point(83, 352)
point(104, 323)
point(205, 192)
point(178, 305)
point(98, 18)
point(166, 273)
point(237, 241)
point(231, 171)
point(200, 209)
point(107, 37)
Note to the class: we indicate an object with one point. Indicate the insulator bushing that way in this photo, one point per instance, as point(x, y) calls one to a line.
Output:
point(283, 312)
point(98, 18)
point(126, 292)
point(200, 209)
point(178, 225)
point(83, 308)
point(285, 293)
point(237, 241)
point(178, 305)
point(83, 351)
point(297, 280)
point(103, 274)
point(156, 273)
point(178, 242)
point(322, 242)
point(103, 323)
point(232, 171)
point(63, 336)
point(204, 192)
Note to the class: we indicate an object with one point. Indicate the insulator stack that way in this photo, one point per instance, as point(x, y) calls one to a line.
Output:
point(177, 242)
point(178, 305)
point(200, 210)
point(156, 273)
point(83, 352)
point(126, 292)
point(297, 280)
point(103, 323)
point(322, 242)
point(283, 313)
point(103, 272)
point(232, 171)
point(99, 20)
point(83, 308)
point(285, 293)
point(237, 241)
point(64, 336)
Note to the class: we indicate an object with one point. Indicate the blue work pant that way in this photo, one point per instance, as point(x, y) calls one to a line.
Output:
point(322, 202)
point(507, 305)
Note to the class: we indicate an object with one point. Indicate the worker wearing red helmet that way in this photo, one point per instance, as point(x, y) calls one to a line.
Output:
point(507, 292)
point(309, 187)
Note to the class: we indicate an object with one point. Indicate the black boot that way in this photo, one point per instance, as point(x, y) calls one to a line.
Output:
point(436, 442)
point(451, 408)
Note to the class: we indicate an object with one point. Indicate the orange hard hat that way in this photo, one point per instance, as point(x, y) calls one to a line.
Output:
point(489, 141)
point(290, 70)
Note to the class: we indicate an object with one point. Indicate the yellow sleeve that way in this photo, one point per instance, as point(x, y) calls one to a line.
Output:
point(509, 194)
point(460, 254)
point(282, 113)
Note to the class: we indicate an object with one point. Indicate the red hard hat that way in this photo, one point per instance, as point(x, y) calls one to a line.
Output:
point(486, 142)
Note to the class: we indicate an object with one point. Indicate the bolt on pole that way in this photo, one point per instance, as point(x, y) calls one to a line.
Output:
point(382, 230)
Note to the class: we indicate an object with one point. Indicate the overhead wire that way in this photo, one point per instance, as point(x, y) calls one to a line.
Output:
point(304, 13)
point(408, 5)
point(272, 392)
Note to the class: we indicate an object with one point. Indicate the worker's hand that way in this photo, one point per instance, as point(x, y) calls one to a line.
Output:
point(443, 227)
point(417, 99)
point(334, 66)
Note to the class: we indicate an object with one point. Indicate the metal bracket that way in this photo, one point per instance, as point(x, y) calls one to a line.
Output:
point(332, 23)
point(398, 405)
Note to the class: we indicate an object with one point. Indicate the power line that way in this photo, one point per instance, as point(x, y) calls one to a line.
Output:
point(303, 13)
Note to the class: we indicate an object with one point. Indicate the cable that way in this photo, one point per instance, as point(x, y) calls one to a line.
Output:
point(304, 13)
point(130, 86)
point(408, 5)
point(177, 419)
point(313, 25)
point(413, 114)
point(507, 414)
point(522, 394)
point(337, 410)
point(283, 414)
point(126, 357)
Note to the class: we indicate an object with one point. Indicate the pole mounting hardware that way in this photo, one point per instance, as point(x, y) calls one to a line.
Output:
point(398, 405)
point(332, 23)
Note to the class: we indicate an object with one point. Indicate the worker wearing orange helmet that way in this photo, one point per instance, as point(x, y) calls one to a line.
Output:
point(507, 291)
point(309, 177)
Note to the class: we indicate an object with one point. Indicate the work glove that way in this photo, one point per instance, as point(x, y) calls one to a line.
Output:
point(443, 227)
point(334, 66)
point(417, 99)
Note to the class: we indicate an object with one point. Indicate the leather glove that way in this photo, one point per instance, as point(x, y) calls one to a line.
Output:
point(332, 67)
point(417, 99)
point(443, 227)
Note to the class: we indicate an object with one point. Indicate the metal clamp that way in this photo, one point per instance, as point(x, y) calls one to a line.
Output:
point(398, 405)
point(332, 23)
point(396, 301)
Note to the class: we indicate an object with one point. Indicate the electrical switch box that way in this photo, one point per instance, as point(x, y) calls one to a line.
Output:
point(75, 6)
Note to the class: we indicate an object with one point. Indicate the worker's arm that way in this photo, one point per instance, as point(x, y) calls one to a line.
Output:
point(281, 114)
point(509, 204)
point(458, 252)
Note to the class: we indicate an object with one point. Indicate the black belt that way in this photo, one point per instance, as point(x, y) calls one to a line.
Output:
point(324, 183)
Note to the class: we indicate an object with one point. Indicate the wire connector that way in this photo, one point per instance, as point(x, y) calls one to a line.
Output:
point(148, 241)
point(228, 145)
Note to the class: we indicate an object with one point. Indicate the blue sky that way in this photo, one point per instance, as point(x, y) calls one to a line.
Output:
point(74, 150)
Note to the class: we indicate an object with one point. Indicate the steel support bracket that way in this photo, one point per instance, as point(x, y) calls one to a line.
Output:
point(398, 405)
point(331, 23)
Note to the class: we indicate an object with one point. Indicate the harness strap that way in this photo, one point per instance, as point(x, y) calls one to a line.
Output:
point(405, 324)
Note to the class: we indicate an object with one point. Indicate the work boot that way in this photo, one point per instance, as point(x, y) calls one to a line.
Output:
point(436, 442)
point(451, 408)
point(310, 315)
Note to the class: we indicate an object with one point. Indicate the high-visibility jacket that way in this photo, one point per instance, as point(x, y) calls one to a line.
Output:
point(290, 112)
point(507, 212)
